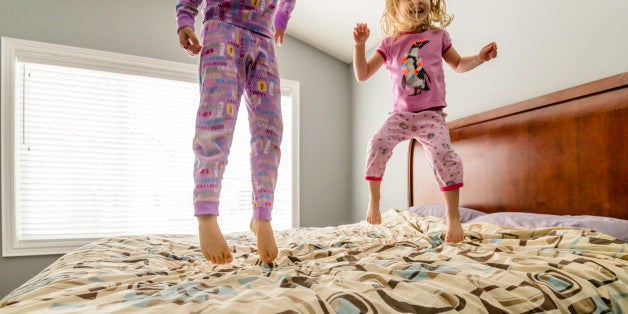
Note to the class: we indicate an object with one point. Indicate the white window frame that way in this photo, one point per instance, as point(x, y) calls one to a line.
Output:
point(53, 54)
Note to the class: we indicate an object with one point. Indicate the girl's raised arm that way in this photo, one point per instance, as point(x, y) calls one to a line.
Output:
point(364, 69)
point(468, 63)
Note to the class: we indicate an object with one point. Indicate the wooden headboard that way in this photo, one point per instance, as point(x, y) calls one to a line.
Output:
point(564, 153)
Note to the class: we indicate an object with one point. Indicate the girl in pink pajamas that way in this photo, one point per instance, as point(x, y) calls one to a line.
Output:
point(413, 53)
point(237, 57)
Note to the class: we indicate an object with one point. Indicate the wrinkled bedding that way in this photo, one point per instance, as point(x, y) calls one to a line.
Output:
point(401, 265)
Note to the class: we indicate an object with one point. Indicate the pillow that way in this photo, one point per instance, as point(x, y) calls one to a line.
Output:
point(439, 211)
point(615, 227)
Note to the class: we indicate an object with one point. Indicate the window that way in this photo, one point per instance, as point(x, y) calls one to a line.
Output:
point(98, 144)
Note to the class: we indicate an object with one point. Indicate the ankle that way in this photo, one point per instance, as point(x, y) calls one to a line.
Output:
point(257, 222)
point(451, 221)
point(205, 219)
point(374, 201)
point(453, 215)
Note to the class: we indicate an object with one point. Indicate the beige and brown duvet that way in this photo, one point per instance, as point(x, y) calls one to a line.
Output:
point(401, 266)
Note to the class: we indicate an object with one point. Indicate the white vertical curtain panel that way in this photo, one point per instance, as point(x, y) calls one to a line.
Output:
point(103, 154)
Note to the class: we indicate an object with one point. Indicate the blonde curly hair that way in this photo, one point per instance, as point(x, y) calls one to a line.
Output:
point(394, 22)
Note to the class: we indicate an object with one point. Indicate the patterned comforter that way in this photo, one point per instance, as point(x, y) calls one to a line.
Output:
point(399, 266)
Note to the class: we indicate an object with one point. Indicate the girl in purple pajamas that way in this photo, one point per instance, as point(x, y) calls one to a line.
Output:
point(413, 52)
point(237, 57)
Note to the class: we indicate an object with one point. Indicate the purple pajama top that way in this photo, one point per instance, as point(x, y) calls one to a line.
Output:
point(254, 15)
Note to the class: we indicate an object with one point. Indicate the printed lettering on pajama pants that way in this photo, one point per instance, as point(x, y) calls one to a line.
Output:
point(235, 61)
point(430, 129)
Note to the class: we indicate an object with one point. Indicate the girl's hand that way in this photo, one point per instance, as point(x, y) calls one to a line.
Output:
point(188, 41)
point(279, 36)
point(361, 33)
point(488, 52)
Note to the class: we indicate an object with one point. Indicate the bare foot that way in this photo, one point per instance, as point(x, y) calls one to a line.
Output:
point(213, 244)
point(373, 216)
point(266, 245)
point(455, 233)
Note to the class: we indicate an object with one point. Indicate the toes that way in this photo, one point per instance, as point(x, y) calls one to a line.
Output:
point(269, 256)
point(222, 258)
point(454, 239)
point(207, 257)
point(225, 257)
point(266, 258)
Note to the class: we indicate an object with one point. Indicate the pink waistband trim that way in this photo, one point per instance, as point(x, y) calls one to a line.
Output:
point(451, 187)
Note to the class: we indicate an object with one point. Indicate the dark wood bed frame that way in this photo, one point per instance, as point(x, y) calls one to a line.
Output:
point(565, 153)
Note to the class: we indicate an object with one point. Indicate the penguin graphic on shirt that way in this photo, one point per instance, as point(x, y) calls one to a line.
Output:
point(414, 74)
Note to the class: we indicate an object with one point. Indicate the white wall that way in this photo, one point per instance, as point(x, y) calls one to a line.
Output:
point(147, 28)
point(544, 46)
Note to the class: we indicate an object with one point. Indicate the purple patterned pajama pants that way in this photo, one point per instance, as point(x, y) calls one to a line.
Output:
point(235, 60)
point(430, 129)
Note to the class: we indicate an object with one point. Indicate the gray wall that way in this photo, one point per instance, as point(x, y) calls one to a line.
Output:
point(147, 28)
point(544, 46)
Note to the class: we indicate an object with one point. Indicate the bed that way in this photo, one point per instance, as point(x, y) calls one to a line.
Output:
point(559, 154)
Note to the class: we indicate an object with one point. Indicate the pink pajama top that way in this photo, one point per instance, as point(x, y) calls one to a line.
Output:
point(415, 63)
point(256, 15)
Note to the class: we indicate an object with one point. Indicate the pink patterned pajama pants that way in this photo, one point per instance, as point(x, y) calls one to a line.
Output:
point(235, 60)
point(430, 129)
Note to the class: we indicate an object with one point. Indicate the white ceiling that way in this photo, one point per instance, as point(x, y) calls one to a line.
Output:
point(328, 24)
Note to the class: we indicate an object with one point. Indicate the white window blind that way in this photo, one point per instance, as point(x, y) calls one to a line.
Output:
point(102, 153)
